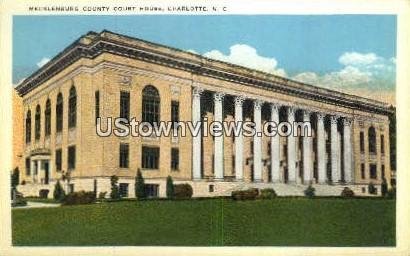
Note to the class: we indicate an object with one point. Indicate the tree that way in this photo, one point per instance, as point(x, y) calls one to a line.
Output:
point(384, 187)
point(115, 191)
point(170, 187)
point(59, 193)
point(139, 185)
point(15, 178)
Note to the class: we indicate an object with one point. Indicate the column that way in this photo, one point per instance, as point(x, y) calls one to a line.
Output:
point(239, 139)
point(307, 152)
point(257, 141)
point(275, 146)
point(196, 140)
point(32, 171)
point(334, 149)
point(38, 171)
point(321, 149)
point(347, 150)
point(219, 138)
point(291, 148)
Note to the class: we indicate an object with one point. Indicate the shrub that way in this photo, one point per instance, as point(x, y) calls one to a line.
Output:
point(59, 192)
point(372, 189)
point(249, 194)
point(44, 193)
point(80, 197)
point(384, 187)
point(391, 193)
point(267, 193)
point(19, 200)
point(115, 191)
point(102, 195)
point(310, 191)
point(182, 191)
point(347, 192)
point(15, 178)
point(170, 187)
point(139, 186)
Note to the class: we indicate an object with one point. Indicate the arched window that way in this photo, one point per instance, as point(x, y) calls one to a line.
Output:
point(37, 127)
point(28, 127)
point(59, 113)
point(150, 105)
point(47, 118)
point(72, 108)
point(372, 140)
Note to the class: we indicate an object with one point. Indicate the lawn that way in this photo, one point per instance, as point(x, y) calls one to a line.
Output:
point(212, 222)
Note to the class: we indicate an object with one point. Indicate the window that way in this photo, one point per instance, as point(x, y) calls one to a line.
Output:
point(362, 171)
point(174, 113)
point(383, 171)
point(37, 127)
point(150, 157)
point(123, 189)
point(211, 188)
point(174, 159)
point(269, 148)
point(28, 127)
point(71, 157)
point(372, 140)
point(59, 113)
point(28, 166)
point(124, 155)
point(362, 142)
point(382, 144)
point(97, 105)
point(150, 105)
point(151, 190)
point(58, 159)
point(72, 108)
point(373, 171)
point(47, 118)
point(125, 105)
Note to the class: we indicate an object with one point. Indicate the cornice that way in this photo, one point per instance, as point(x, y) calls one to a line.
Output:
point(92, 45)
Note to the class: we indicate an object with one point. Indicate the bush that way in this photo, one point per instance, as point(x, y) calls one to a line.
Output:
point(102, 195)
point(115, 191)
point(23, 182)
point(249, 194)
point(139, 186)
point(170, 187)
point(347, 192)
point(391, 193)
point(182, 191)
point(384, 187)
point(59, 192)
point(310, 191)
point(80, 197)
point(15, 178)
point(372, 189)
point(44, 193)
point(19, 201)
point(267, 193)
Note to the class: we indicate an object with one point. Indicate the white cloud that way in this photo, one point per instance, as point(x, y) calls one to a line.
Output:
point(247, 56)
point(357, 59)
point(42, 62)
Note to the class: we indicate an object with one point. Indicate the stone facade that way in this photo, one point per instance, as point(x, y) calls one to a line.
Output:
point(110, 64)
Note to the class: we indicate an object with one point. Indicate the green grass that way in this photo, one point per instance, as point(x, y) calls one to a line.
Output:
point(212, 222)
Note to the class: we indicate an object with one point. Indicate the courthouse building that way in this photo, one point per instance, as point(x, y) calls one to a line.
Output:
point(111, 75)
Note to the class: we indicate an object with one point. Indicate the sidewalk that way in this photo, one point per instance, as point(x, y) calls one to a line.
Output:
point(37, 205)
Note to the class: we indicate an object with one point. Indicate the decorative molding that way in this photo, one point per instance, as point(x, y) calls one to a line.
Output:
point(125, 80)
point(219, 96)
point(175, 91)
point(239, 100)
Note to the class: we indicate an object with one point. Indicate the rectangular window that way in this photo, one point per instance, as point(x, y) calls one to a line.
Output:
point(362, 171)
point(269, 148)
point(28, 166)
point(174, 112)
point(383, 171)
point(97, 105)
point(123, 189)
point(382, 144)
point(58, 159)
point(151, 190)
point(361, 142)
point(124, 155)
point(174, 159)
point(125, 105)
point(373, 171)
point(71, 157)
point(233, 163)
point(150, 157)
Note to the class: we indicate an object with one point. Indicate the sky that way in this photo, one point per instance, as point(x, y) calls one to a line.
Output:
point(351, 53)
